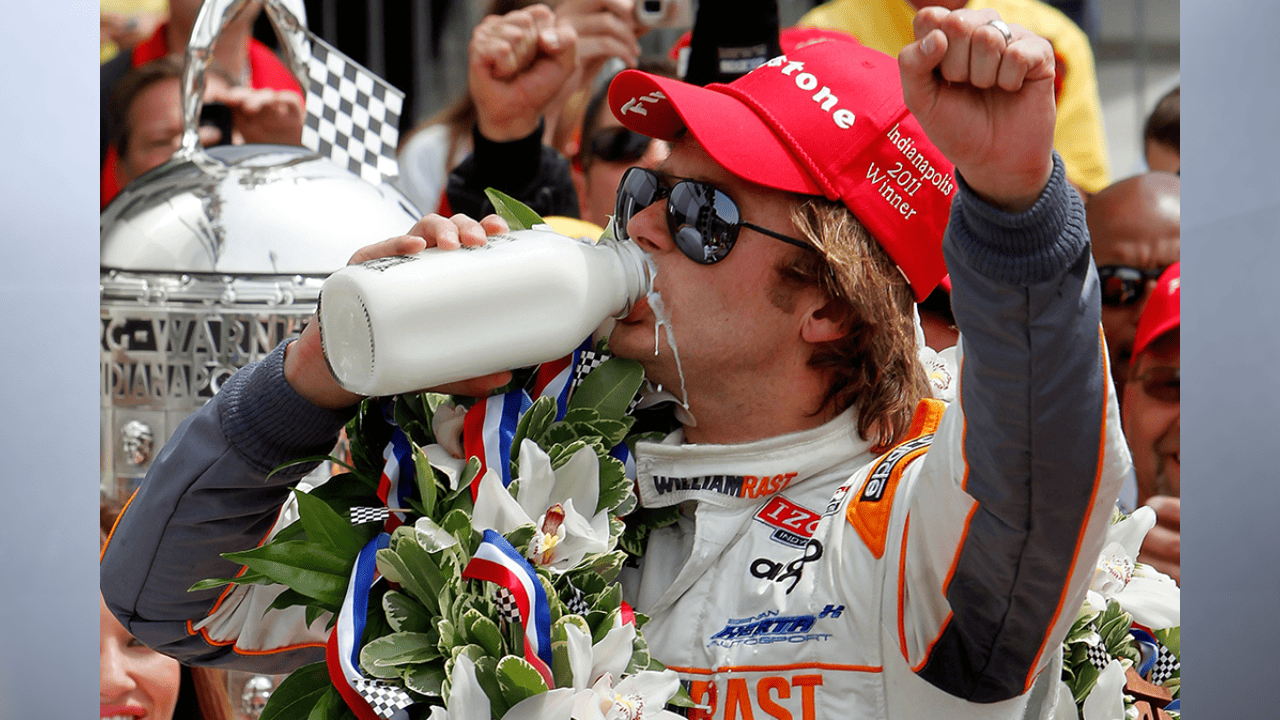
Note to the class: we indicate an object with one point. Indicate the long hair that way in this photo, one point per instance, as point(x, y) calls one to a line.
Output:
point(875, 366)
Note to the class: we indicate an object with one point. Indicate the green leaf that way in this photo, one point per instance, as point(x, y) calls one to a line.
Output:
point(323, 525)
point(518, 215)
point(487, 678)
point(518, 680)
point(310, 568)
point(398, 569)
point(298, 693)
point(609, 388)
point(288, 598)
point(425, 476)
point(406, 614)
point(533, 425)
point(248, 577)
point(399, 648)
point(329, 707)
point(483, 632)
point(425, 679)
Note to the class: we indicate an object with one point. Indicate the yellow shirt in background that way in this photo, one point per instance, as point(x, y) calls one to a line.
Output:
point(108, 49)
point(1078, 137)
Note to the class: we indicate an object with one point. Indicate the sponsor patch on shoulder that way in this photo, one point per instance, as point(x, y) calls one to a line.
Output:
point(869, 513)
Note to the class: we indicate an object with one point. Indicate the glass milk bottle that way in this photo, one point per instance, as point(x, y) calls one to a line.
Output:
point(406, 323)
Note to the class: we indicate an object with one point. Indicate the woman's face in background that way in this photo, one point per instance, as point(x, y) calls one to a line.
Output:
point(135, 681)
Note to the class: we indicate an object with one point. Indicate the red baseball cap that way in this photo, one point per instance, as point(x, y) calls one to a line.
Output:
point(1163, 311)
point(828, 119)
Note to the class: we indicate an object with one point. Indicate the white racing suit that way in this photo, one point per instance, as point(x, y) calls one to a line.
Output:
point(808, 577)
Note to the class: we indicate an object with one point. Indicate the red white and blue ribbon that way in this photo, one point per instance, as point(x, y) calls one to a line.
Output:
point(368, 698)
point(397, 483)
point(496, 561)
point(487, 432)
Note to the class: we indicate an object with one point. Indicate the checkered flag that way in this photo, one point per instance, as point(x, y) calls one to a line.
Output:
point(577, 604)
point(384, 698)
point(353, 116)
point(507, 607)
point(361, 515)
point(1097, 655)
point(1165, 666)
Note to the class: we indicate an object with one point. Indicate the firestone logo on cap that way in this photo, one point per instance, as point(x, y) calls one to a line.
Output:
point(842, 117)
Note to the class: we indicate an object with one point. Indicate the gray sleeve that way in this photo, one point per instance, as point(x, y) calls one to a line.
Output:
point(1035, 446)
point(208, 493)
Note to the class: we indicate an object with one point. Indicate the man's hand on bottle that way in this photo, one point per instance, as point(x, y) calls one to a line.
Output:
point(305, 367)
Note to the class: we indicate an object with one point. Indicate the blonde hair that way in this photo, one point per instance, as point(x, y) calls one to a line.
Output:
point(875, 365)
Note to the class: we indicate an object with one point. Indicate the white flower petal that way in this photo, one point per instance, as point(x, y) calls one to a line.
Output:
point(554, 704)
point(1105, 701)
point(440, 458)
point(438, 713)
point(579, 480)
point(1131, 531)
point(446, 425)
point(613, 653)
point(580, 656)
point(431, 536)
point(537, 480)
point(467, 700)
point(495, 508)
point(655, 687)
point(1153, 601)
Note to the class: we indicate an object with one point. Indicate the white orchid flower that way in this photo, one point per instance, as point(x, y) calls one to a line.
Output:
point(554, 501)
point(446, 427)
point(467, 700)
point(1148, 595)
point(610, 656)
point(1106, 700)
point(640, 696)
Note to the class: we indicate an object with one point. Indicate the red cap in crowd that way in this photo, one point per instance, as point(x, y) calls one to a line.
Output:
point(827, 118)
point(1163, 311)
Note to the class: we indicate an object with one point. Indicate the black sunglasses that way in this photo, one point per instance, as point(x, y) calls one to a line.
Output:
point(1161, 383)
point(703, 221)
point(1124, 285)
point(616, 144)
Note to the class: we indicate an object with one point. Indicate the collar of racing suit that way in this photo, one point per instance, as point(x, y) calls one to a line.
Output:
point(671, 472)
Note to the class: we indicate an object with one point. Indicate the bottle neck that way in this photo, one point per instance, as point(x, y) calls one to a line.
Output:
point(637, 267)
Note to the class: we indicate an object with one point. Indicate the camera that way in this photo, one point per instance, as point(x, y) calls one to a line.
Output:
point(217, 115)
point(664, 13)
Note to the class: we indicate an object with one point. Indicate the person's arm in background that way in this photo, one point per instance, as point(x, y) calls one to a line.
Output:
point(522, 67)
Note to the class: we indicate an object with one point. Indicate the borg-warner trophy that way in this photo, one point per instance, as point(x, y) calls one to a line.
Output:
point(213, 258)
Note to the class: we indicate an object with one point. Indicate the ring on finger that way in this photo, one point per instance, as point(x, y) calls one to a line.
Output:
point(1003, 27)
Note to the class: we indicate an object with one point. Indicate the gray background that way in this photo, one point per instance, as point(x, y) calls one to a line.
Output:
point(49, 385)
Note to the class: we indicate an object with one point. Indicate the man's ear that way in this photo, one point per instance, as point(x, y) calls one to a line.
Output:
point(829, 319)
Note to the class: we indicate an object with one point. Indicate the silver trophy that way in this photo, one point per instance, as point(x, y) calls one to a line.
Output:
point(213, 258)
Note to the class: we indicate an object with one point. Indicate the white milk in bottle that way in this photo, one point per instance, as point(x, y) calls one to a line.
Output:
point(406, 323)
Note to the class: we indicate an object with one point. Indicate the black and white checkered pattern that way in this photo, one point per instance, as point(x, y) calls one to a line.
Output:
point(1165, 666)
point(590, 360)
point(353, 116)
point(577, 604)
point(369, 514)
point(507, 607)
point(385, 699)
point(1097, 655)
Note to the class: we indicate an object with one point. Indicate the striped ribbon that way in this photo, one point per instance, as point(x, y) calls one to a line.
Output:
point(397, 483)
point(496, 561)
point(342, 654)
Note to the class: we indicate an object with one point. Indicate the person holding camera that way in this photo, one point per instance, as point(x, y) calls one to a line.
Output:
point(146, 116)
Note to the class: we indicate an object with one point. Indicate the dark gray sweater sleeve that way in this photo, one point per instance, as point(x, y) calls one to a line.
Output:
point(207, 493)
point(1039, 448)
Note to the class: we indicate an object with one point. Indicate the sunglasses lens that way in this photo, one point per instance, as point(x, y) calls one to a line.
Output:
point(1163, 384)
point(1118, 290)
point(637, 191)
point(703, 221)
point(619, 145)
